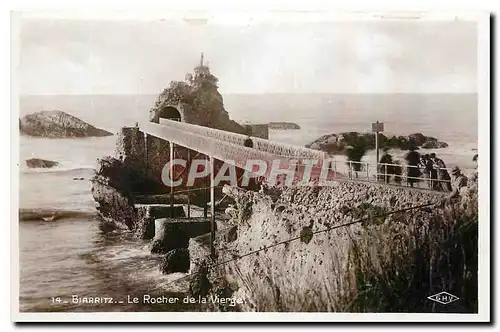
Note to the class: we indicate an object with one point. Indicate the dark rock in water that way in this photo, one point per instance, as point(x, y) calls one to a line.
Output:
point(40, 163)
point(78, 178)
point(283, 125)
point(176, 260)
point(115, 207)
point(338, 143)
point(57, 124)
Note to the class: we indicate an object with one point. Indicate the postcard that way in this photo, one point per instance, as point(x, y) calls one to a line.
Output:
point(263, 166)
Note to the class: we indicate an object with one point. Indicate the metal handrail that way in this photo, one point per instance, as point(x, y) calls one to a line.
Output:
point(375, 176)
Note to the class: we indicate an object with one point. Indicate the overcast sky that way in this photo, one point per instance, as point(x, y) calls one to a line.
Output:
point(130, 57)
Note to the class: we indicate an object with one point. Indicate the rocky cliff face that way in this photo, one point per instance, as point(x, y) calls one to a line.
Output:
point(57, 124)
point(345, 269)
point(40, 163)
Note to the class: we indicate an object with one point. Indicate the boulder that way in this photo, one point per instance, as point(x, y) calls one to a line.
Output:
point(40, 163)
point(114, 206)
point(57, 124)
point(176, 260)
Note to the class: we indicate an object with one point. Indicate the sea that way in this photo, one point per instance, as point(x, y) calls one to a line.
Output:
point(73, 257)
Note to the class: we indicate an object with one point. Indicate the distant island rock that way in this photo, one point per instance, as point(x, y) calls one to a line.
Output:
point(337, 143)
point(283, 125)
point(40, 163)
point(57, 124)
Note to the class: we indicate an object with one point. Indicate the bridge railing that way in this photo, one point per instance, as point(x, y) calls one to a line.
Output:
point(398, 174)
point(275, 148)
point(228, 147)
point(226, 151)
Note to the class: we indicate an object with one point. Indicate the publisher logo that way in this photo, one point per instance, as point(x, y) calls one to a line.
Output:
point(443, 298)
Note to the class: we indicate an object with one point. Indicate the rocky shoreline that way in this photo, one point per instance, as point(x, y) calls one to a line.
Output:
point(279, 278)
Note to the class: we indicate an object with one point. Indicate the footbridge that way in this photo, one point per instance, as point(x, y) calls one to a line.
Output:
point(277, 158)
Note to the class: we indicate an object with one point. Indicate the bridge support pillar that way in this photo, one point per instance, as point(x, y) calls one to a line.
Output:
point(146, 154)
point(171, 145)
point(212, 208)
point(188, 196)
point(205, 189)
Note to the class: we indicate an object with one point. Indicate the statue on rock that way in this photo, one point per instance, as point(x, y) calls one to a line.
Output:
point(197, 101)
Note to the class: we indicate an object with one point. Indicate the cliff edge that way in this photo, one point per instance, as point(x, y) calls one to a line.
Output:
point(343, 248)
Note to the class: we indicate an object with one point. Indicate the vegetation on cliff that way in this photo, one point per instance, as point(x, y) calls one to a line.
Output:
point(338, 143)
point(388, 263)
point(57, 124)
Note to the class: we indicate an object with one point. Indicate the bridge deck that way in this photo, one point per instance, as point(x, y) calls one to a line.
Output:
point(229, 148)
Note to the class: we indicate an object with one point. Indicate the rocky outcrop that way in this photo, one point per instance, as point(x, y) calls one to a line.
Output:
point(338, 143)
point(196, 100)
point(40, 163)
point(57, 124)
point(283, 125)
point(115, 207)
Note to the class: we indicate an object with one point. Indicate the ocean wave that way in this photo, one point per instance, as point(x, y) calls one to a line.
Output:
point(52, 214)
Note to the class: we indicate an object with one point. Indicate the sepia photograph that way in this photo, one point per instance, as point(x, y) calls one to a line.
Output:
point(249, 164)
